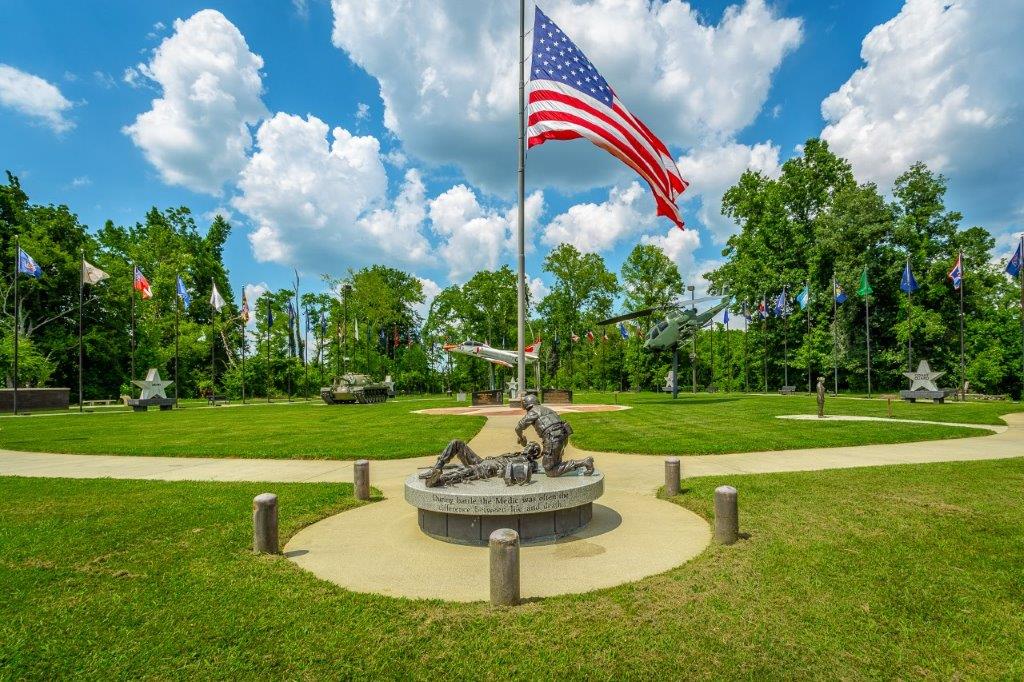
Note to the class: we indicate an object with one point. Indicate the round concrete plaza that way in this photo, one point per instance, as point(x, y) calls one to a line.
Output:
point(380, 548)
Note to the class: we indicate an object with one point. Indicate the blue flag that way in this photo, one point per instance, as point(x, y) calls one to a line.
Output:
point(838, 292)
point(622, 332)
point(725, 317)
point(27, 266)
point(780, 304)
point(907, 283)
point(270, 314)
point(802, 297)
point(186, 300)
point(1013, 267)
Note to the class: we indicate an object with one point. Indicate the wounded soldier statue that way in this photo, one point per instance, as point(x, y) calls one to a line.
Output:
point(517, 468)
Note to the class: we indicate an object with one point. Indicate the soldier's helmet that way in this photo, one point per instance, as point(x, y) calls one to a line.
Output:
point(529, 401)
point(532, 450)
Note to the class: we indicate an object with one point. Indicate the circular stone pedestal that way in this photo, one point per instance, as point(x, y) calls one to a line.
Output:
point(542, 509)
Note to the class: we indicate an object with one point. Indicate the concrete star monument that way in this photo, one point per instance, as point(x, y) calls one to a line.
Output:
point(924, 378)
point(922, 384)
point(152, 386)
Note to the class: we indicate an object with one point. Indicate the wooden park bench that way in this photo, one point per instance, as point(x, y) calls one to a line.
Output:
point(214, 399)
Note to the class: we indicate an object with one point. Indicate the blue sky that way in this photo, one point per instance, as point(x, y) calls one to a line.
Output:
point(426, 181)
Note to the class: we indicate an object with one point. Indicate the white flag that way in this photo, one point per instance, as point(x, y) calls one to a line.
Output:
point(357, 330)
point(92, 274)
point(216, 300)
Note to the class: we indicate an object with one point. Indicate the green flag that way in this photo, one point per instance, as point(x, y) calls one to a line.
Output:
point(865, 288)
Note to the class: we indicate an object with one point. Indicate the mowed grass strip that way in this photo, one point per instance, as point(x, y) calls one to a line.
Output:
point(300, 430)
point(724, 423)
point(889, 572)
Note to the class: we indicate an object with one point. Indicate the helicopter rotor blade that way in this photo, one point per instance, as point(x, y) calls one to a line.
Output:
point(628, 316)
point(683, 303)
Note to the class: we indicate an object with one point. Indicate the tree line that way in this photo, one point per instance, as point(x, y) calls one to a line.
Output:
point(811, 225)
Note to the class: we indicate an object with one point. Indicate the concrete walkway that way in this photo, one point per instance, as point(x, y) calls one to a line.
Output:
point(379, 548)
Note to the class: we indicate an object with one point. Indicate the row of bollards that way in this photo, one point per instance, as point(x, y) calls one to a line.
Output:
point(264, 511)
point(727, 513)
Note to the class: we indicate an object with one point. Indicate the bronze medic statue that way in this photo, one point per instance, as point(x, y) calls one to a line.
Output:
point(515, 467)
point(554, 434)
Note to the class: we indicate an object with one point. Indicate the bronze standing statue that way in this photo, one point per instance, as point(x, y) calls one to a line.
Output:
point(821, 397)
point(515, 467)
point(554, 434)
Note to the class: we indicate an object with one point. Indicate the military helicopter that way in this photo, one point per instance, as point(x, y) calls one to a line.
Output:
point(680, 324)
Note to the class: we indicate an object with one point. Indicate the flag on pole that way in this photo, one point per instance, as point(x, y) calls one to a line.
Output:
point(838, 292)
point(622, 332)
point(907, 283)
point(92, 274)
point(245, 309)
point(956, 275)
point(569, 99)
point(141, 284)
point(270, 315)
point(28, 266)
point(802, 297)
point(1013, 267)
point(780, 304)
point(357, 329)
point(725, 317)
point(216, 300)
point(575, 337)
point(864, 289)
point(590, 336)
point(762, 309)
point(186, 300)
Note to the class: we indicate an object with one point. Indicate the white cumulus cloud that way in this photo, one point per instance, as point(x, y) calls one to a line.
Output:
point(718, 168)
point(599, 227)
point(35, 97)
point(450, 92)
point(317, 199)
point(197, 133)
point(941, 83)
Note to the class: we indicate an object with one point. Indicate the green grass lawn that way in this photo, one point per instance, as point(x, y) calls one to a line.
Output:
point(702, 424)
point(715, 424)
point(298, 430)
point(890, 572)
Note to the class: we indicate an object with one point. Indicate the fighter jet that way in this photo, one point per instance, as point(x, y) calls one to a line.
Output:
point(497, 356)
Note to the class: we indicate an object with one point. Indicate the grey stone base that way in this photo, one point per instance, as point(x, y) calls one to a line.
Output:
point(469, 529)
point(934, 396)
point(140, 405)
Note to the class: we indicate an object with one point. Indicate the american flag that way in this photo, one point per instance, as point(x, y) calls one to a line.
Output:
point(568, 99)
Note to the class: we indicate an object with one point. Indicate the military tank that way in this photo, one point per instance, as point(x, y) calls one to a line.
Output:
point(356, 388)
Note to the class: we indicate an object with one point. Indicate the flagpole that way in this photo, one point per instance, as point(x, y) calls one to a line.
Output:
point(910, 317)
point(132, 293)
point(1020, 274)
point(213, 347)
point(712, 342)
point(746, 373)
point(305, 357)
point(807, 306)
point(242, 320)
point(81, 288)
point(177, 343)
point(521, 221)
point(268, 349)
point(835, 337)
point(785, 338)
point(867, 330)
point(963, 368)
point(728, 345)
point(17, 316)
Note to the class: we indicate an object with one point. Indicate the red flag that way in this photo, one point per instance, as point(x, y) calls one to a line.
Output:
point(590, 336)
point(141, 284)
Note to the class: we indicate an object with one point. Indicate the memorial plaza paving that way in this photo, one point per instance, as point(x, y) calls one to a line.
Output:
point(379, 547)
